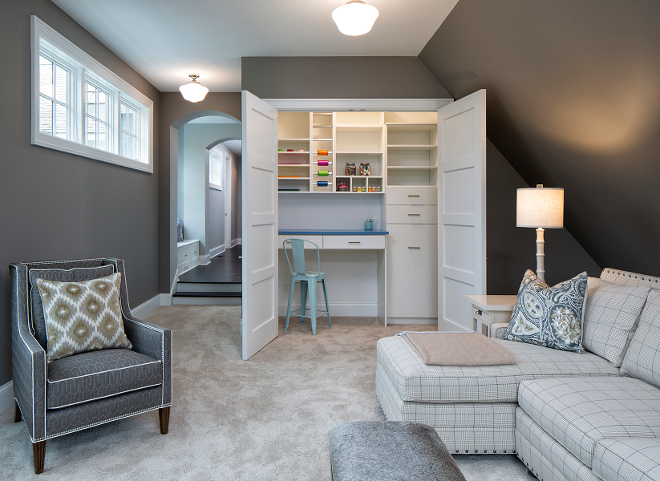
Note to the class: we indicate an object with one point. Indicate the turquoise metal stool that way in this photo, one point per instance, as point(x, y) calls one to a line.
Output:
point(307, 280)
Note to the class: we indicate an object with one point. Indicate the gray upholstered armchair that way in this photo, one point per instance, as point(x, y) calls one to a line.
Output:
point(87, 389)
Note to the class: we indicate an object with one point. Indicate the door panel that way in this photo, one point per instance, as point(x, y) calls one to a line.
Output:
point(259, 233)
point(461, 208)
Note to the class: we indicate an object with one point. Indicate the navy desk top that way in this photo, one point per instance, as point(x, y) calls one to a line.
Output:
point(331, 232)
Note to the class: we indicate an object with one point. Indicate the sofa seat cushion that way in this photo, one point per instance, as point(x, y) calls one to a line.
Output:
point(579, 412)
point(99, 374)
point(635, 459)
point(417, 382)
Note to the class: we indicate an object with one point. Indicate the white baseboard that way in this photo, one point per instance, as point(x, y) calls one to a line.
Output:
point(412, 320)
point(347, 309)
point(146, 308)
point(6, 396)
point(216, 251)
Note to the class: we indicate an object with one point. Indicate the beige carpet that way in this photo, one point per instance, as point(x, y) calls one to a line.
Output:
point(262, 419)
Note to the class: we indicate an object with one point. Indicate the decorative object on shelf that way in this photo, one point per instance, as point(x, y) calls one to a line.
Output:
point(369, 224)
point(378, 188)
point(322, 152)
point(179, 230)
point(342, 186)
point(355, 18)
point(323, 162)
point(540, 208)
point(355, 189)
point(193, 91)
point(323, 173)
point(350, 169)
point(365, 168)
point(321, 183)
point(289, 150)
point(364, 189)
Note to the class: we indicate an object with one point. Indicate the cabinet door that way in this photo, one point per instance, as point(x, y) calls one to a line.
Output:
point(412, 271)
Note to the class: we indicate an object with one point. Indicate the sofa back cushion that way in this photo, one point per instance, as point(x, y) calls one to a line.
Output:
point(610, 318)
point(642, 359)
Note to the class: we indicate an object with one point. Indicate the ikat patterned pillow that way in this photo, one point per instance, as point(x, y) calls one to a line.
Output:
point(549, 316)
point(82, 316)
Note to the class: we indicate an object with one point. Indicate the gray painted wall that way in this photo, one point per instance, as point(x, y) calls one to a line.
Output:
point(61, 206)
point(572, 101)
point(339, 77)
point(174, 113)
point(511, 250)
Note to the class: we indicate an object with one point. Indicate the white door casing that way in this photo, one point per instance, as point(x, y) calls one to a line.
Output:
point(461, 209)
point(227, 166)
point(259, 224)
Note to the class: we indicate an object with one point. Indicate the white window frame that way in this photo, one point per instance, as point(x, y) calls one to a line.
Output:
point(86, 67)
point(216, 156)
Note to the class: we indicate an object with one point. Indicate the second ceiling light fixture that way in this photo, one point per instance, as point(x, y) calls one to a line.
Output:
point(355, 18)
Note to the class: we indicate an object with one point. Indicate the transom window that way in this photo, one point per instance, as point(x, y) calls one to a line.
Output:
point(81, 107)
point(215, 168)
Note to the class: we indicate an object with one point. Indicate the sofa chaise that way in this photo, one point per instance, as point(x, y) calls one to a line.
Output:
point(566, 415)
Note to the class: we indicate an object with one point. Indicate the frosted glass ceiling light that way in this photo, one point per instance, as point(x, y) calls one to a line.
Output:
point(193, 91)
point(355, 18)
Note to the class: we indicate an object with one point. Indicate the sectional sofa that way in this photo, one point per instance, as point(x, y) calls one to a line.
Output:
point(567, 415)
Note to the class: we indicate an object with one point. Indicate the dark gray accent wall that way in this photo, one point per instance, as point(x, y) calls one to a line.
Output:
point(339, 77)
point(511, 250)
point(61, 206)
point(573, 102)
point(175, 111)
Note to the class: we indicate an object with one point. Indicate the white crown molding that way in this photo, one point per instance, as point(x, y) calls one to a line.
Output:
point(375, 105)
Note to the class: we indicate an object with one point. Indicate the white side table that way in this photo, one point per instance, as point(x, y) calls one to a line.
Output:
point(489, 310)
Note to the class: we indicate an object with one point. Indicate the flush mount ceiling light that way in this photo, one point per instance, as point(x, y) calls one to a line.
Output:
point(193, 91)
point(355, 18)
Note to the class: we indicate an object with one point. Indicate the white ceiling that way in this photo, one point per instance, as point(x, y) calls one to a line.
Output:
point(165, 40)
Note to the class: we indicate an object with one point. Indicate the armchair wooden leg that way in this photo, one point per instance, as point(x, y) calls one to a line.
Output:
point(39, 452)
point(17, 413)
point(164, 415)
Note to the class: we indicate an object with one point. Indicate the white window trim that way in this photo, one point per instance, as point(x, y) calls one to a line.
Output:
point(40, 29)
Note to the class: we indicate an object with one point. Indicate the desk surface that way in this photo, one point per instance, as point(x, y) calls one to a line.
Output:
point(493, 302)
point(331, 232)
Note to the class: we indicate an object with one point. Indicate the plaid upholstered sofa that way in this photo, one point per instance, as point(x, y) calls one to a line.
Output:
point(568, 416)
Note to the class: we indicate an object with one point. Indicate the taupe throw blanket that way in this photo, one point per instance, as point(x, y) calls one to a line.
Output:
point(457, 349)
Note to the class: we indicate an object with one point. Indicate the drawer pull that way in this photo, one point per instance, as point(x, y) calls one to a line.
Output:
point(413, 195)
point(414, 215)
point(353, 242)
point(414, 247)
point(478, 312)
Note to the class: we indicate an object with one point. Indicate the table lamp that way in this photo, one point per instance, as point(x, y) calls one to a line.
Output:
point(540, 208)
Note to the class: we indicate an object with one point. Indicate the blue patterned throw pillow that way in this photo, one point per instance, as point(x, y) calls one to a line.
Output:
point(549, 316)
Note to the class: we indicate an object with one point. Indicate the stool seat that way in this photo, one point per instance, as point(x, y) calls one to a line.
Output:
point(390, 451)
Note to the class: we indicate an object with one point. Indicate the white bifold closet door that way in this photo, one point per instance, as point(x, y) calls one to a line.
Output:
point(461, 209)
point(259, 224)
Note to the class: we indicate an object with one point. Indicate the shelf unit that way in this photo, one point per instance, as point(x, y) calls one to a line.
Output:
point(400, 147)
point(412, 153)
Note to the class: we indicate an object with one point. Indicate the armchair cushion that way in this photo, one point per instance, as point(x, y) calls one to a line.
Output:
point(82, 316)
point(37, 320)
point(99, 374)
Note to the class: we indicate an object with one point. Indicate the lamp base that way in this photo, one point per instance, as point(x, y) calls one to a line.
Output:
point(540, 254)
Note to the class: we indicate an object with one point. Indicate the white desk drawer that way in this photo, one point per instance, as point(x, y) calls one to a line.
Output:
point(412, 214)
point(354, 242)
point(183, 254)
point(316, 239)
point(412, 195)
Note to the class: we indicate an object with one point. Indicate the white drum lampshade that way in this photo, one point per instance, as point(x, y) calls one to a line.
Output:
point(193, 91)
point(355, 18)
point(540, 208)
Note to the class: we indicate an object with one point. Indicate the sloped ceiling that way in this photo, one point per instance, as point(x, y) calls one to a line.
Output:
point(573, 101)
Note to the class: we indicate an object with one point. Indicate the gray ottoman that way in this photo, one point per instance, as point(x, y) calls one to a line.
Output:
point(390, 451)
